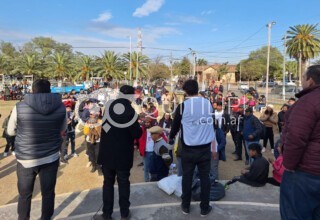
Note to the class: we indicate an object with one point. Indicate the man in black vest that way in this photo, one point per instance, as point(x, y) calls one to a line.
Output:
point(120, 129)
point(37, 123)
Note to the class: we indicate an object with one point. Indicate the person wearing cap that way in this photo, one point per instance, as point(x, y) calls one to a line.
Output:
point(160, 160)
point(237, 126)
point(257, 174)
point(92, 130)
point(120, 130)
point(252, 129)
point(195, 119)
point(299, 190)
point(270, 119)
point(145, 145)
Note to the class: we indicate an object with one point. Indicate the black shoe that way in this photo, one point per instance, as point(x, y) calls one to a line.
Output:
point(247, 162)
point(204, 213)
point(140, 164)
point(185, 210)
point(126, 218)
point(237, 159)
point(102, 217)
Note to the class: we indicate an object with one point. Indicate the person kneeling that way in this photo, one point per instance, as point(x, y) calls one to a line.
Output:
point(257, 174)
point(160, 160)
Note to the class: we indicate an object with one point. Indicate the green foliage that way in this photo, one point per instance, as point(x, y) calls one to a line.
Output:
point(158, 70)
point(110, 65)
point(183, 67)
point(202, 62)
point(255, 67)
point(137, 60)
point(222, 70)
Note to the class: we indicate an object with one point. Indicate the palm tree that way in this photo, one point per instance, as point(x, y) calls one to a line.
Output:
point(29, 64)
point(304, 41)
point(110, 65)
point(3, 64)
point(137, 60)
point(60, 65)
point(202, 62)
point(85, 65)
point(291, 68)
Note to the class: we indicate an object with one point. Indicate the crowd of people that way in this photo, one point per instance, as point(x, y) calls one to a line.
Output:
point(193, 133)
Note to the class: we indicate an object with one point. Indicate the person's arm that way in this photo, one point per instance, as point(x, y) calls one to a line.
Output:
point(274, 118)
point(253, 172)
point(257, 127)
point(301, 124)
point(176, 124)
point(64, 125)
point(12, 124)
point(264, 117)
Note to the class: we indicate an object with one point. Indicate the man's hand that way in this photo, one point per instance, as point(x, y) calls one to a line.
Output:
point(271, 160)
point(244, 171)
point(215, 155)
point(251, 137)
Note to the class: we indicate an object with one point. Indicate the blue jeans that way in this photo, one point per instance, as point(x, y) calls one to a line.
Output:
point(300, 196)
point(146, 164)
point(247, 143)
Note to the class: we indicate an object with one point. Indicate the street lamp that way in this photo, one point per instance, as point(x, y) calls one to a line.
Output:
point(269, 26)
point(194, 62)
point(130, 71)
point(125, 76)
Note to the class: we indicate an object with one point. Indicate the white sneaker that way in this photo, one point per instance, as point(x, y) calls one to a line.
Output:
point(13, 153)
point(272, 151)
point(66, 157)
point(74, 155)
point(263, 150)
point(5, 154)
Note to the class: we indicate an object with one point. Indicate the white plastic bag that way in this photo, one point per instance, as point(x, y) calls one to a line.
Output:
point(168, 184)
point(178, 191)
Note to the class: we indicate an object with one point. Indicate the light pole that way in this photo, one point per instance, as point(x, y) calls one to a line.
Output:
point(269, 26)
point(130, 64)
point(284, 70)
point(194, 62)
point(300, 70)
point(125, 76)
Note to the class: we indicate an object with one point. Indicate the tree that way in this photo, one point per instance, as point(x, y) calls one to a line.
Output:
point(255, 67)
point(60, 66)
point(8, 49)
point(158, 70)
point(110, 65)
point(303, 40)
point(28, 64)
point(137, 60)
point(183, 67)
point(202, 62)
point(85, 66)
point(292, 68)
point(222, 70)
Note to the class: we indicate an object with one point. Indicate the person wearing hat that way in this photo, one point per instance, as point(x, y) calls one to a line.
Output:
point(269, 119)
point(237, 125)
point(252, 129)
point(257, 174)
point(160, 160)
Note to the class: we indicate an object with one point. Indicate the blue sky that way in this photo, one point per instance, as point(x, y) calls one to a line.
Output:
point(219, 31)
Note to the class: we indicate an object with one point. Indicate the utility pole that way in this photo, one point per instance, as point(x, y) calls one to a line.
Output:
point(269, 25)
point(284, 69)
point(240, 71)
point(300, 69)
point(130, 61)
point(171, 72)
point(194, 62)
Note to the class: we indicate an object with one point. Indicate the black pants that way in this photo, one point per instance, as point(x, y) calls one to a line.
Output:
point(26, 178)
point(10, 143)
point(63, 148)
point(240, 144)
point(71, 136)
point(272, 181)
point(192, 157)
point(269, 136)
point(93, 151)
point(108, 190)
point(234, 138)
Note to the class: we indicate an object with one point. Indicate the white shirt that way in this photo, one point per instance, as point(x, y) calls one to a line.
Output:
point(149, 143)
point(218, 117)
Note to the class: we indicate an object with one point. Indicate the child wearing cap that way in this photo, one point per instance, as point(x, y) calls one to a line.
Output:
point(160, 160)
point(92, 130)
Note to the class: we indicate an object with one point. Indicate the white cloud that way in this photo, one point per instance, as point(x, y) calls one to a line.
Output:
point(148, 7)
point(104, 17)
point(190, 19)
point(209, 12)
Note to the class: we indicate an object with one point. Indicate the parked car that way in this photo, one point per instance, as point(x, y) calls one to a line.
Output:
point(243, 86)
point(290, 92)
point(270, 84)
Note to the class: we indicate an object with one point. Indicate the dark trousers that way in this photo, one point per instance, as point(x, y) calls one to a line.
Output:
point(93, 151)
point(71, 139)
point(26, 178)
point(192, 157)
point(10, 143)
point(272, 181)
point(63, 148)
point(269, 136)
point(108, 190)
point(300, 196)
point(240, 144)
point(234, 138)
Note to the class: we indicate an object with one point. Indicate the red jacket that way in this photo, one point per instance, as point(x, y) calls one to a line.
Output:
point(278, 169)
point(142, 142)
point(301, 134)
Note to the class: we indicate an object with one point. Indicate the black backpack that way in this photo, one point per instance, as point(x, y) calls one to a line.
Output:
point(217, 191)
point(262, 134)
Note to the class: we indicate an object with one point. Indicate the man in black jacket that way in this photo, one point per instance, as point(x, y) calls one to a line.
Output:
point(120, 129)
point(37, 122)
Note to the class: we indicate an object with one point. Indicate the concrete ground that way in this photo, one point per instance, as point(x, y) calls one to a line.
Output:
point(149, 202)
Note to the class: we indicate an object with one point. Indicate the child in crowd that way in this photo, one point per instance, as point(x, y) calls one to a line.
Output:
point(160, 160)
point(257, 174)
point(278, 168)
point(9, 139)
point(92, 130)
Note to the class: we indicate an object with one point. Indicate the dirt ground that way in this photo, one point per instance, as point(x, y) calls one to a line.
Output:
point(75, 176)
